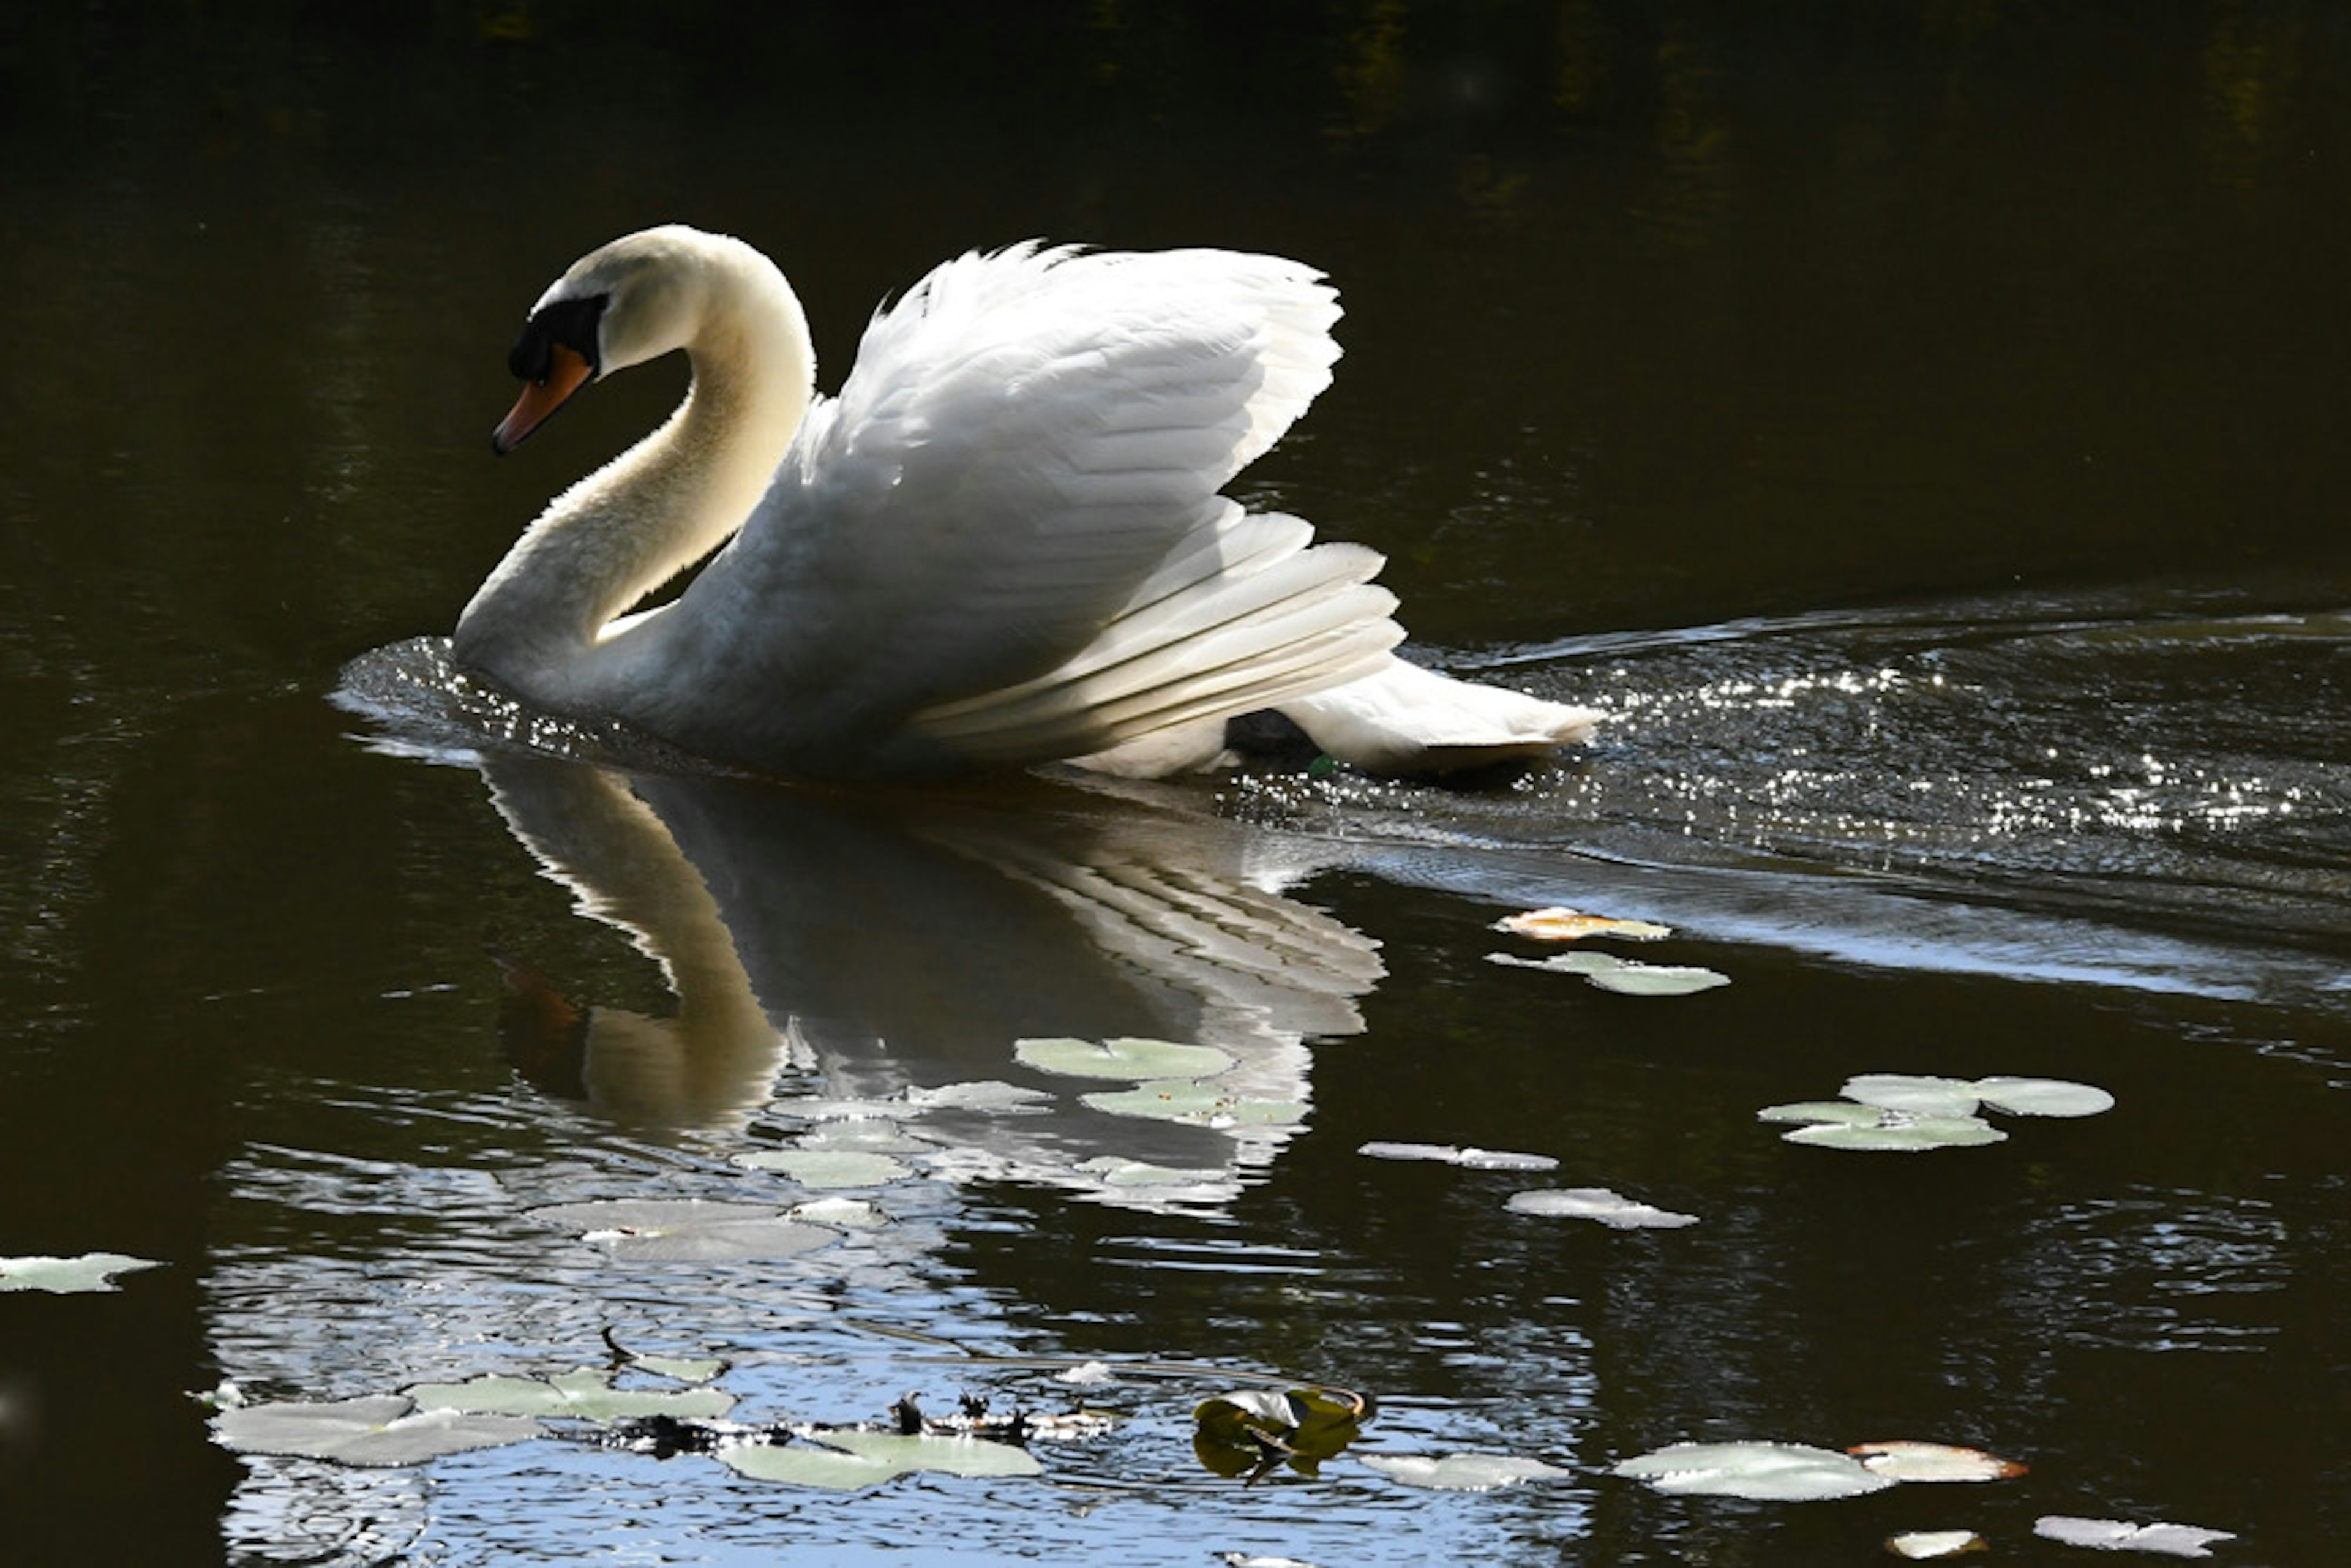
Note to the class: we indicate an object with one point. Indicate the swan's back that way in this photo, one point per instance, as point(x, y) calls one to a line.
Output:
point(1003, 540)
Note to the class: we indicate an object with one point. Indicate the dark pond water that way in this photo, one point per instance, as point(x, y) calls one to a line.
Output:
point(1919, 425)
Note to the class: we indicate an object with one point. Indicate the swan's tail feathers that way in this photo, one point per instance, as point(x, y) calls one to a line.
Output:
point(1401, 719)
point(1246, 616)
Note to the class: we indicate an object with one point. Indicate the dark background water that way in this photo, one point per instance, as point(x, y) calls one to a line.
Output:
point(1919, 423)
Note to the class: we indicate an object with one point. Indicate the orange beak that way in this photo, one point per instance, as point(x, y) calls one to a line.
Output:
point(566, 372)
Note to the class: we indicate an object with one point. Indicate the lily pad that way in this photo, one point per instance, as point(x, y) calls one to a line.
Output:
point(1922, 1545)
point(1623, 976)
point(1113, 1171)
point(1934, 1462)
point(2117, 1535)
point(2043, 1096)
point(90, 1272)
point(1131, 1059)
point(1847, 1112)
point(1777, 1472)
point(1559, 924)
point(1250, 1431)
point(658, 1231)
point(1916, 1094)
point(944, 1455)
point(1897, 1132)
point(679, 1368)
point(1199, 1104)
point(585, 1395)
point(986, 1094)
point(380, 1429)
point(841, 1213)
point(805, 1465)
point(826, 1168)
point(1470, 1159)
point(1463, 1472)
point(1610, 1209)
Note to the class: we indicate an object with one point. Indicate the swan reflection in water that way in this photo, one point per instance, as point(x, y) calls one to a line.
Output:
point(854, 949)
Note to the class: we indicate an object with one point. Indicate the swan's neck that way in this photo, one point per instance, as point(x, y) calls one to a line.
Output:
point(669, 500)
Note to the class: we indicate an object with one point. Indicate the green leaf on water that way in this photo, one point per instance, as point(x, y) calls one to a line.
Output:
point(2119, 1535)
point(584, 1395)
point(383, 1429)
point(828, 1168)
point(1922, 1545)
point(2043, 1096)
point(1914, 1093)
point(1196, 1103)
point(950, 1456)
point(1250, 1431)
point(841, 1213)
point(1115, 1171)
point(90, 1272)
point(1610, 1209)
point(1624, 976)
point(1778, 1473)
point(1126, 1058)
point(1898, 1132)
point(1463, 1472)
point(987, 1094)
point(659, 1230)
point(1847, 1112)
point(1470, 1159)
point(1915, 1462)
point(679, 1368)
point(805, 1465)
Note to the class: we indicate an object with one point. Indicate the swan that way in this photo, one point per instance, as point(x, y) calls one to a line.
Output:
point(1002, 543)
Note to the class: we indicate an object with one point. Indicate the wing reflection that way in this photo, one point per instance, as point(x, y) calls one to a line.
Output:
point(852, 949)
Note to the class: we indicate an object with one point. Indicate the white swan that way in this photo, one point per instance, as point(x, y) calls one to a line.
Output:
point(1001, 544)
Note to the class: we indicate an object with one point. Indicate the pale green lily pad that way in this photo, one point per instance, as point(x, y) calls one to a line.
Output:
point(1896, 1133)
point(1115, 1171)
point(1915, 1462)
point(825, 1168)
point(841, 1213)
point(805, 1465)
point(1625, 976)
point(1133, 1060)
point(1199, 1104)
point(585, 1395)
point(381, 1429)
point(1924, 1545)
point(2118, 1535)
point(1911, 1092)
point(1470, 1159)
point(2043, 1096)
point(1849, 1112)
point(946, 1456)
point(90, 1272)
point(1776, 1473)
point(986, 1094)
point(687, 1230)
point(865, 1137)
point(1610, 1209)
point(1463, 1472)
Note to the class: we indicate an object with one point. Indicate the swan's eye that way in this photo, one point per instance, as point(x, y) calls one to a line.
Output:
point(573, 323)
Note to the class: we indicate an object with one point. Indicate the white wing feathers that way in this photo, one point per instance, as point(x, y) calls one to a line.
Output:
point(1016, 490)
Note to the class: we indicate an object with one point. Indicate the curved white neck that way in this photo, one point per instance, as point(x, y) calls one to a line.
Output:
point(680, 493)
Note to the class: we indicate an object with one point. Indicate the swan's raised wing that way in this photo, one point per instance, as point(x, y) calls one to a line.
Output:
point(1005, 537)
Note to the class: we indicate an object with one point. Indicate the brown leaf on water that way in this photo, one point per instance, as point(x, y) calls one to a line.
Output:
point(1562, 924)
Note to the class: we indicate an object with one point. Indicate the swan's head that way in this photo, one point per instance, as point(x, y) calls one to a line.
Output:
point(630, 301)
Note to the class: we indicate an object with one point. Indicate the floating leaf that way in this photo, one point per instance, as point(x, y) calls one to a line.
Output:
point(1934, 1462)
point(378, 1429)
point(805, 1465)
point(1472, 1159)
point(825, 1168)
point(2116, 1535)
point(1125, 1057)
point(944, 1455)
point(1252, 1560)
point(90, 1272)
point(686, 1229)
point(1898, 1132)
point(1113, 1171)
point(1250, 1431)
point(1585, 964)
point(1918, 1096)
point(2042, 1096)
point(1557, 924)
point(1657, 979)
point(1847, 1112)
point(1462, 1472)
point(586, 1394)
point(1610, 1209)
point(1779, 1472)
point(1919, 1545)
point(1200, 1104)
point(987, 1094)
point(841, 1213)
